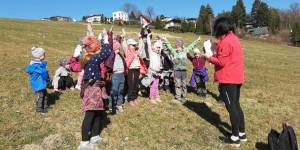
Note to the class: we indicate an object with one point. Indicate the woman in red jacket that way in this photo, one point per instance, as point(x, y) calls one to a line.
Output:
point(229, 72)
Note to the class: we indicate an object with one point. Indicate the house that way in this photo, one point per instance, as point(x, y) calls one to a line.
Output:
point(258, 31)
point(166, 19)
point(173, 23)
point(63, 19)
point(249, 25)
point(191, 20)
point(120, 15)
point(45, 19)
point(94, 18)
point(146, 18)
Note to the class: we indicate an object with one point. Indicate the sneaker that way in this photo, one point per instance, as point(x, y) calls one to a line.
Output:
point(228, 140)
point(48, 107)
point(186, 99)
point(98, 139)
point(131, 103)
point(140, 93)
point(243, 138)
point(41, 110)
point(113, 111)
point(136, 102)
point(72, 89)
point(87, 146)
point(120, 108)
point(78, 87)
point(157, 99)
point(152, 101)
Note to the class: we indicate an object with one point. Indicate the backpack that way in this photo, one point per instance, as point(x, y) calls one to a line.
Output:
point(286, 140)
point(75, 66)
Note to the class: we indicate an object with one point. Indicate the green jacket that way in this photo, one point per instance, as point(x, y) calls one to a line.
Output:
point(180, 63)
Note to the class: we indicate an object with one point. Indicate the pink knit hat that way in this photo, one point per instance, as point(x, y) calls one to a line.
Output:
point(116, 45)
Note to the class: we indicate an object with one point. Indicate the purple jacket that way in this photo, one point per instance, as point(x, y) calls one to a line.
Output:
point(109, 63)
point(202, 73)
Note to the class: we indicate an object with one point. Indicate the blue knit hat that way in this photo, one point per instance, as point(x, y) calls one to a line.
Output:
point(179, 43)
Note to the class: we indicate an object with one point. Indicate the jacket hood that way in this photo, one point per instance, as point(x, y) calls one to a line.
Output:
point(34, 64)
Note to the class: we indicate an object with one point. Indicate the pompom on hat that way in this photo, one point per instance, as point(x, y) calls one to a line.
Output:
point(196, 50)
point(37, 52)
point(91, 44)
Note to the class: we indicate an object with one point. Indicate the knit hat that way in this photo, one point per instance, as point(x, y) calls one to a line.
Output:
point(37, 52)
point(91, 44)
point(179, 43)
point(131, 42)
point(156, 45)
point(116, 45)
point(196, 50)
point(80, 41)
point(63, 62)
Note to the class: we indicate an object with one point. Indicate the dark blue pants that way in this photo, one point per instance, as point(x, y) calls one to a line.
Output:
point(116, 93)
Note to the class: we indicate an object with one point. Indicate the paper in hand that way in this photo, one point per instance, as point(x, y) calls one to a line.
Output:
point(209, 47)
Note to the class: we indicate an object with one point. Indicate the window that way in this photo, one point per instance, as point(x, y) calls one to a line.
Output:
point(115, 15)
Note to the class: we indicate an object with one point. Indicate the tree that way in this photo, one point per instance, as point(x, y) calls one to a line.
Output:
point(138, 14)
point(226, 14)
point(254, 10)
point(128, 7)
point(209, 17)
point(158, 24)
point(274, 21)
point(263, 15)
point(161, 17)
point(132, 16)
point(84, 18)
point(238, 14)
point(296, 34)
point(150, 11)
point(102, 19)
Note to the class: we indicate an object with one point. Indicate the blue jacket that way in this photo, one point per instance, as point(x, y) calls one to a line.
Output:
point(38, 75)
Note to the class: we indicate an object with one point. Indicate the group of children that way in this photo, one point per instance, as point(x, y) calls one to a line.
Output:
point(104, 73)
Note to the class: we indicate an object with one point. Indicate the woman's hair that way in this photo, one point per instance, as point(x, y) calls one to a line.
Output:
point(222, 27)
point(86, 57)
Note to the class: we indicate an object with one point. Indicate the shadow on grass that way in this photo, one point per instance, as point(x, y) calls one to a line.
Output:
point(191, 89)
point(53, 97)
point(207, 114)
point(261, 146)
point(104, 122)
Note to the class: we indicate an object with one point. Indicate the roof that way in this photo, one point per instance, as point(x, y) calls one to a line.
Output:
point(258, 31)
point(148, 18)
point(175, 21)
point(191, 19)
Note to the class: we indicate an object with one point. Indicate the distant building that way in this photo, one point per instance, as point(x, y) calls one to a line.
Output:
point(191, 20)
point(120, 15)
point(166, 19)
point(94, 18)
point(173, 23)
point(63, 19)
point(258, 31)
point(146, 18)
point(249, 25)
point(45, 19)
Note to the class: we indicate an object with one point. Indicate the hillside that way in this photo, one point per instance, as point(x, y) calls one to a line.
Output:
point(269, 97)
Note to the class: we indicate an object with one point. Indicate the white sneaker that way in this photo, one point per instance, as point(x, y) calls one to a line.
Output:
point(98, 139)
point(88, 146)
point(78, 87)
point(120, 108)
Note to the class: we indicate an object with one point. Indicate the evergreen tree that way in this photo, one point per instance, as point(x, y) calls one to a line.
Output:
point(209, 17)
point(158, 24)
point(238, 14)
point(203, 18)
point(184, 26)
point(199, 24)
point(226, 14)
point(161, 17)
point(274, 21)
point(263, 15)
point(102, 19)
point(254, 10)
point(296, 34)
point(132, 16)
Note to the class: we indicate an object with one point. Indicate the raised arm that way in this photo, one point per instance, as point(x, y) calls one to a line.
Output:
point(189, 48)
point(169, 46)
point(190, 57)
point(149, 45)
point(124, 44)
point(106, 51)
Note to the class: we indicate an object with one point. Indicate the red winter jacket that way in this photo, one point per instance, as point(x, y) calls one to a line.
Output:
point(229, 64)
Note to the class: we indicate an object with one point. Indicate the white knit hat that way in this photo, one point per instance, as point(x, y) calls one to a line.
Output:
point(196, 50)
point(156, 45)
point(37, 52)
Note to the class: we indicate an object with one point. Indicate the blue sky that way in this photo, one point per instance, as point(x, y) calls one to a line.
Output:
point(36, 9)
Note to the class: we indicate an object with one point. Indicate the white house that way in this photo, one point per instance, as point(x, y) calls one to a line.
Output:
point(166, 19)
point(173, 23)
point(94, 18)
point(191, 20)
point(120, 15)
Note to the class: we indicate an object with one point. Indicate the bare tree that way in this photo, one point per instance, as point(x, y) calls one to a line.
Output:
point(128, 7)
point(138, 13)
point(150, 11)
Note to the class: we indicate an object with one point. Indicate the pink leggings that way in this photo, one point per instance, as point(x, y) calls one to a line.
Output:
point(80, 77)
point(154, 87)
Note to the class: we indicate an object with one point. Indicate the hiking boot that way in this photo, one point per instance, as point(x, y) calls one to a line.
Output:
point(98, 139)
point(88, 146)
point(120, 108)
point(41, 110)
point(228, 140)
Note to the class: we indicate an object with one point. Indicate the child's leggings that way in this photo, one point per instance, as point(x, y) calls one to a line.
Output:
point(91, 122)
point(154, 87)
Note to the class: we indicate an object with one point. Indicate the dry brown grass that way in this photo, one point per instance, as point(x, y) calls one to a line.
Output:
point(269, 97)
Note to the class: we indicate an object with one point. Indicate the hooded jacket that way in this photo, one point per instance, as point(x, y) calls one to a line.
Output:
point(38, 75)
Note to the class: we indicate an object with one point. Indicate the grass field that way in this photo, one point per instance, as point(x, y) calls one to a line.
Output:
point(269, 96)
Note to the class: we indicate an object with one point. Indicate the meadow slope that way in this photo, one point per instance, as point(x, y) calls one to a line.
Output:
point(269, 96)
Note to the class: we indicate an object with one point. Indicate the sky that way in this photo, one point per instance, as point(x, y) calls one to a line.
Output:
point(37, 9)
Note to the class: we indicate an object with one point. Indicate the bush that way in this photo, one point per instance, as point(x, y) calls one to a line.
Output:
point(120, 24)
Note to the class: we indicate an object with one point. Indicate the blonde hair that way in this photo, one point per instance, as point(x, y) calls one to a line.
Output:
point(86, 57)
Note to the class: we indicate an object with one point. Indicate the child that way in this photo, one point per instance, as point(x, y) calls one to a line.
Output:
point(167, 66)
point(154, 69)
point(180, 66)
point(135, 67)
point(63, 77)
point(77, 54)
point(92, 90)
point(200, 75)
point(38, 78)
point(117, 65)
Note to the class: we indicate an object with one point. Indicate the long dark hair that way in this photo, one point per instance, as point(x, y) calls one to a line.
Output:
point(222, 27)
